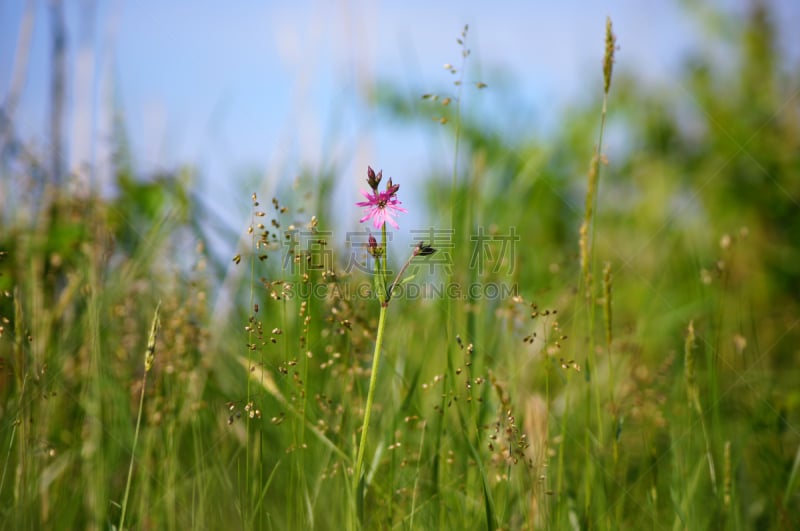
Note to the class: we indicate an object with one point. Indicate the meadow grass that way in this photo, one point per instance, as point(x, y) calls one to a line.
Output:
point(639, 371)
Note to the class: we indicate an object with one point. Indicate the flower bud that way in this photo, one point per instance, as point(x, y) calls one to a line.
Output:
point(373, 179)
point(424, 250)
point(372, 247)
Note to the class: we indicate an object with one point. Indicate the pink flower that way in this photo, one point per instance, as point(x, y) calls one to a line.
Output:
point(381, 206)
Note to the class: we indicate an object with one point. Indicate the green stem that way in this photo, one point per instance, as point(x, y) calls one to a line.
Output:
point(376, 356)
point(149, 358)
point(133, 453)
point(380, 270)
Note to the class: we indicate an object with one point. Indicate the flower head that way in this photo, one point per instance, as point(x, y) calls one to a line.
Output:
point(380, 206)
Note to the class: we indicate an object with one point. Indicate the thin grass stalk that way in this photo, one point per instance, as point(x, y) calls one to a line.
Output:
point(94, 399)
point(300, 457)
point(607, 318)
point(791, 483)
point(586, 247)
point(416, 476)
point(693, 394)
point(449, 381)
point(287, 356)
point(588, 237)
point(19, 426)
point(727, 478)
point(149, 358)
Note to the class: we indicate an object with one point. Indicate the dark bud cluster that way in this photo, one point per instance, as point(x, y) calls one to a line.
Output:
point(424, 250)
point(374, 249)
point(392, 188)
point(374, 179)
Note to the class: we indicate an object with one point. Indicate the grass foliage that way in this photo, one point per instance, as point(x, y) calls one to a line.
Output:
point(642, 374)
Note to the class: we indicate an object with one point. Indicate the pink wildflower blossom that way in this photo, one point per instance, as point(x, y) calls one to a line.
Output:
point(381, 206)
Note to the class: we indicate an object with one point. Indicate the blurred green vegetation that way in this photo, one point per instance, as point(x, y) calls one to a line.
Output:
point(478, 422)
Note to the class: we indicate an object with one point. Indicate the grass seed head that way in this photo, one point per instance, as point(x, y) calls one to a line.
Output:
point(608, 58)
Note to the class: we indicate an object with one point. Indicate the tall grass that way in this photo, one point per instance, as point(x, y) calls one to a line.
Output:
point(637, 371)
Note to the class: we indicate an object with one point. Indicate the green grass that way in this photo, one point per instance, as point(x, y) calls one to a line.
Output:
point(649, 383)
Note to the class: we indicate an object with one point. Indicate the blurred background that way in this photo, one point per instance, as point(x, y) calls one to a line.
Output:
point(132, 135)
point(255, 93)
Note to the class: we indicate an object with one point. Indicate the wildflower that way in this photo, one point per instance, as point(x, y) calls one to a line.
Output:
point(381, 206)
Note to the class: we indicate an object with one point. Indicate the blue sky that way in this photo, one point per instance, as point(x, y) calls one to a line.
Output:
point(265, 88)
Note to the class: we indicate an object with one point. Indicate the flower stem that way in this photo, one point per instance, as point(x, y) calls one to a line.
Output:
point(380, 270)
point(376, 356)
